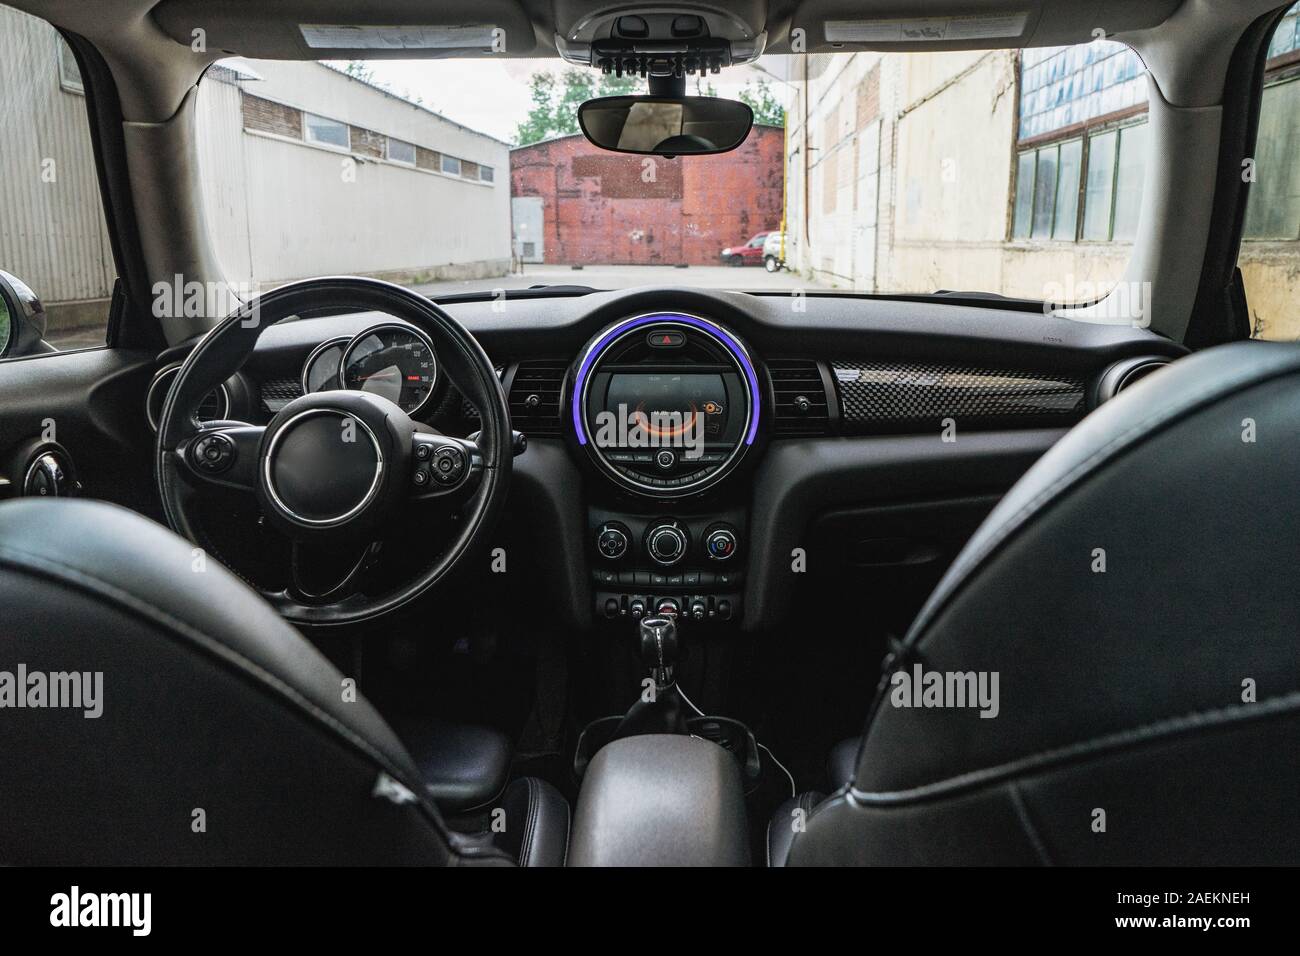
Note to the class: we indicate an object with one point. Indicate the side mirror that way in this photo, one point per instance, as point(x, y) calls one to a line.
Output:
point(22, 318)
point(665, 125)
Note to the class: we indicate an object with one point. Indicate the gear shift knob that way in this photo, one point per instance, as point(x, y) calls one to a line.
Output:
point(659, 643)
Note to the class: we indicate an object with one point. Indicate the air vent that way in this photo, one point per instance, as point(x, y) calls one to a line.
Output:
point(535, 397)
point(799, 394)
point(214, 406)
point(1123, 374)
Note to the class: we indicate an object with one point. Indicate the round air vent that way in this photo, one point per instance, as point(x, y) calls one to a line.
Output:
point(214, 407)
point(42, 468)
point(1123, 374)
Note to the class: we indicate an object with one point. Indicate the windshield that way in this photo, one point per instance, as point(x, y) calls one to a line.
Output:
point(1011, 172)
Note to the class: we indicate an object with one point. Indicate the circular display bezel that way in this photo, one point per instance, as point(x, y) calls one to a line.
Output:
point(398, 327)
point(339, 340)
point(617, 333)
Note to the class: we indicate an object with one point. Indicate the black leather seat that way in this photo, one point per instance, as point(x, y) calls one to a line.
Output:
point(218, 734)
point(1136, 594)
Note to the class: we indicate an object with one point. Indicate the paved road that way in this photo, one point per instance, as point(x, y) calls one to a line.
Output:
point(623, 277)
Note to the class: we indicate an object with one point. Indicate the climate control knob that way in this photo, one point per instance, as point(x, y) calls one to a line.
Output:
point(666, 543)
point(611, 542)
point(720, 543)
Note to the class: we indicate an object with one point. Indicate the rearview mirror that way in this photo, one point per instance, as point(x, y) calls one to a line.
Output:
point(665, 125)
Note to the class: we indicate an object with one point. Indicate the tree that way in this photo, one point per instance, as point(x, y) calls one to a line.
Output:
point(555, 101)
point(767, 108)
point(359, 70)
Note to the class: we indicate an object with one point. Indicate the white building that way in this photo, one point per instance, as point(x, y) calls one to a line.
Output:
point(309, 171)
point(306, 171)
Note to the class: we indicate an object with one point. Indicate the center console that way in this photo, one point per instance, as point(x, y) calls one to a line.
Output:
point(666, 407)
point(661, 564)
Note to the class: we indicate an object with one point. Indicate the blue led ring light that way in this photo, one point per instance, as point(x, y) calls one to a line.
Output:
point(735, 348)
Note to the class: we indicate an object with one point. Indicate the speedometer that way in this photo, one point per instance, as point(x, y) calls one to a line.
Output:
point(393, 361)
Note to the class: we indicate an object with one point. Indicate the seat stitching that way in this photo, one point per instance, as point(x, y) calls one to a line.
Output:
point(1027, 823)
point(1094, 746)
point(530, 822)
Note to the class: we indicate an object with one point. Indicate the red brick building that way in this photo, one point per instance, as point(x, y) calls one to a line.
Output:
point(602, 207)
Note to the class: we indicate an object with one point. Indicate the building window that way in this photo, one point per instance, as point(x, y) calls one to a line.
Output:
point(1052, 181)
point(322, 130)
point(1129, 175)
point(1065, 223)
point(486, 174)
point(1047, 191)
point(1273, 209)
point(400, 152)
point(450, 165)
point(1099, 196)
point(1067, 85)
point(69, 72)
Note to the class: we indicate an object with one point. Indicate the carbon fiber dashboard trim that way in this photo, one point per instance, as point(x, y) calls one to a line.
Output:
point(903, 396)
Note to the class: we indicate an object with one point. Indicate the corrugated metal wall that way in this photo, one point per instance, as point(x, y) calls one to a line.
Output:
point(222, 165)
point(52, 232)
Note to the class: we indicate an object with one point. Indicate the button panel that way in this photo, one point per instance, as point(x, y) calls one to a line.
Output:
point(683, 607)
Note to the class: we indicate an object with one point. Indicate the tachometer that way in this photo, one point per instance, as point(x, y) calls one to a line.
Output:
point(394, 361)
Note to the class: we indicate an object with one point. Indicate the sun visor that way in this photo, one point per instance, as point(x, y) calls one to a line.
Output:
point(825, 26)
point(344, 29)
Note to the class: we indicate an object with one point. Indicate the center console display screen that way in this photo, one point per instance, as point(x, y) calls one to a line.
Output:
point(674, 408)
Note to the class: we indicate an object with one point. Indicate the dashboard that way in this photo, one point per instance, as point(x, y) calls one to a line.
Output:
point(681, 441)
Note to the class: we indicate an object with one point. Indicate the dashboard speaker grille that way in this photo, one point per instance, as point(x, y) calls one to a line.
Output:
point(799, 399)
point(535, 395)
point(901, 396)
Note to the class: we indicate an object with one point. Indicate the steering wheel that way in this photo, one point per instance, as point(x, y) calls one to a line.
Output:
point(337, 469)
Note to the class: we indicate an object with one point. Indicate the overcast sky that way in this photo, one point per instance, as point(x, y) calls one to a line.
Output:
point(492, 95)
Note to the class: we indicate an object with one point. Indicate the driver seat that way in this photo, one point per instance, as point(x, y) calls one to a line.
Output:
point(157, 711)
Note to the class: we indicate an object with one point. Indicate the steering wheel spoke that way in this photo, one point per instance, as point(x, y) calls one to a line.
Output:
point(329, 575)
point(223, 453)
point(443, 467)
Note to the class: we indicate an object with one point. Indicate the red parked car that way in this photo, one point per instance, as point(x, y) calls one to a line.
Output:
point(750, 254)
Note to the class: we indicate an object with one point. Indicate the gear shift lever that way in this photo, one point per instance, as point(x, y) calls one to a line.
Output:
point(659, 648)
point(662, 711)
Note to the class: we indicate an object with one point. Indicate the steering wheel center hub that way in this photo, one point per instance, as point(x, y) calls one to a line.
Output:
point(328, 464)
point(323, 466)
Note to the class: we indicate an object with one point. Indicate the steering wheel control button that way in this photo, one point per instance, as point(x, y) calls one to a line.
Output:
point(612, 542)
point(423, 451)
point(666, 543)
point(720, 544)
point(421, 478)
point(665, 458)
point(448, 464)
point(212, 454)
